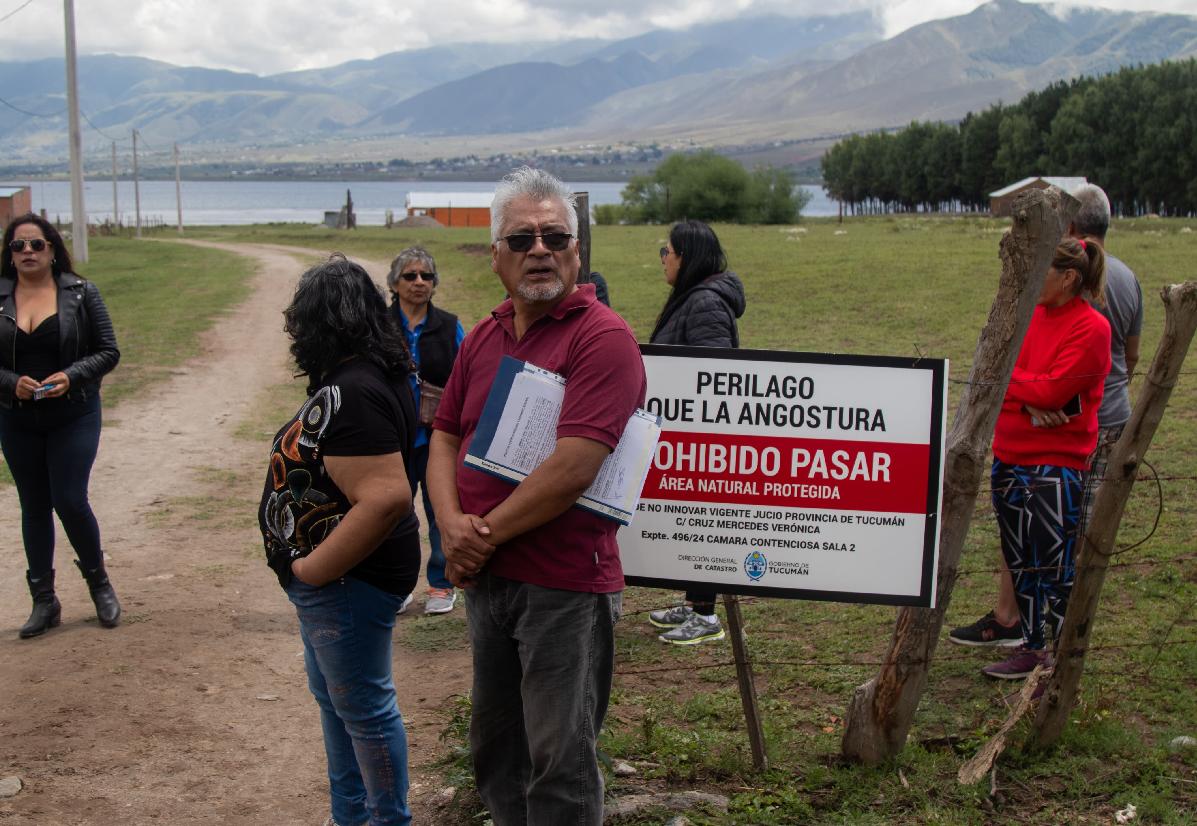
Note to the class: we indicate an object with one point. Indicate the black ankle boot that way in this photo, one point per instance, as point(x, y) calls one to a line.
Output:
point(47, 612)
point(108, 609)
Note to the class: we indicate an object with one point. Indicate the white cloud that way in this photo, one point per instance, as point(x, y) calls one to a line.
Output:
point(267, 36)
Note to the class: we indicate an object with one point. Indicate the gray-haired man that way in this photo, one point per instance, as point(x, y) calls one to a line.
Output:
point(544, 578)
point(1124, 311)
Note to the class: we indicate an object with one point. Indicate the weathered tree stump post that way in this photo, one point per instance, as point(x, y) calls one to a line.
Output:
point(1180, 320)
point(881, 710)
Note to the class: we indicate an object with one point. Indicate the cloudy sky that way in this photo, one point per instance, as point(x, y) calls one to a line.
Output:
point(267, 36)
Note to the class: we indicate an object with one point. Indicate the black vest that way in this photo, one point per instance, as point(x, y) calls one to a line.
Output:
point(437, 345)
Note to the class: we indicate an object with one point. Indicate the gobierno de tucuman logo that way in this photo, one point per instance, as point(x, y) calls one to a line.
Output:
point(755, 565)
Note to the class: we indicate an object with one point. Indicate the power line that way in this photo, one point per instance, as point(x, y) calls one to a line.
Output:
point(14, 11)
point(98, 129)
point(16, 108)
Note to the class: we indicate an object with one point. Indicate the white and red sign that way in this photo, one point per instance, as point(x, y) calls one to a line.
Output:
point(798, 475)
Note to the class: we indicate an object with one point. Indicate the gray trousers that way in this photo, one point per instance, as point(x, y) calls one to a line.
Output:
point(543, 660)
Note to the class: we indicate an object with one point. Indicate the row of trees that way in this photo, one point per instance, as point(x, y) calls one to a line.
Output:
point(1133, 132)
point(708, 187)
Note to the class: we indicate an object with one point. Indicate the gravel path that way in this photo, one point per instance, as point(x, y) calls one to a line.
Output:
point(195, 710)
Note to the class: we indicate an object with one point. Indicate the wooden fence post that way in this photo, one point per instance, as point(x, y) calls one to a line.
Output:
point(881, 710)
point(1180, 320)
point(747, 682)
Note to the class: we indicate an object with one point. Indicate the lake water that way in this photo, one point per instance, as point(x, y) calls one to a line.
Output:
point(207, 203)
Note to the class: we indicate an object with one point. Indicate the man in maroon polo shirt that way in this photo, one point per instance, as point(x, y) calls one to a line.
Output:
point(543, 578)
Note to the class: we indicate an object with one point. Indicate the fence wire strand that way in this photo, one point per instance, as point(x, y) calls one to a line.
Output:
point(841, 663)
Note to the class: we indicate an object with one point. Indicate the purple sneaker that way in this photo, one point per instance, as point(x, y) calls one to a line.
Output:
point(1019, 666)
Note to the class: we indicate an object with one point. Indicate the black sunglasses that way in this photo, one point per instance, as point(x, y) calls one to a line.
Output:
point(664, 251)
point(523, 241)
point(35, 244)
point(423, 276)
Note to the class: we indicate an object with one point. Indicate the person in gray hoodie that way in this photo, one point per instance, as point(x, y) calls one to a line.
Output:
point(701, 311)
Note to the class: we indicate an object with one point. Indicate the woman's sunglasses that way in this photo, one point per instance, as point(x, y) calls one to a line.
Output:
point(36, 244)
point(423, 276)
point(523, 241)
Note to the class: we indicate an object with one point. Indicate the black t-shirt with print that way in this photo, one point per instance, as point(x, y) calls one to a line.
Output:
point(356, 412)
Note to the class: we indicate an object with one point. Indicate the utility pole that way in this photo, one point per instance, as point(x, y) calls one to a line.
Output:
point(116, 215)
point(136, 187)
point(178, 190)
point(78, 213)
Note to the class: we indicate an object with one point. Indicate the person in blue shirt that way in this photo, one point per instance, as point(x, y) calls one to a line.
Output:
point(433, 337)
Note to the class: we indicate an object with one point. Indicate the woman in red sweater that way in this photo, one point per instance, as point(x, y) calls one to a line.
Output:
point(1045, 433)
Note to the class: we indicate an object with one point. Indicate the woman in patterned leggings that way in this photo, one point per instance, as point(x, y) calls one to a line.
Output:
point(1046, 430)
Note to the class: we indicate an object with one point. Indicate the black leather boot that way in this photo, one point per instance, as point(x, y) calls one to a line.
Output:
point(108, 609)
point(47, 611)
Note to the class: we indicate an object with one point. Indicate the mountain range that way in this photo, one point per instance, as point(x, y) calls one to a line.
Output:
point(750, 81)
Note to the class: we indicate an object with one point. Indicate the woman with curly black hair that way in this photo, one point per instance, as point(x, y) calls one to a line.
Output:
point(56, 345)
point(340, 533)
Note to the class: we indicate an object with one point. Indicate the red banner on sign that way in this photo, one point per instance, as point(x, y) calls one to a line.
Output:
point(786, 472)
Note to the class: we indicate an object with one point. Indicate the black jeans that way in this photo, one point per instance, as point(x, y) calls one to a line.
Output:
point(703, 602)
point(50, 446)
point(543, 661)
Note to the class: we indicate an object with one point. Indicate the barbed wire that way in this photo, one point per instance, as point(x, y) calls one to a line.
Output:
point(829, 663)
point(1185, 612)
point(1069, 377)
point(1143, 563)
point(747, 600)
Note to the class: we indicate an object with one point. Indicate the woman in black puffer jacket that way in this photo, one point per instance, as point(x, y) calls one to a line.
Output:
point(701, 311)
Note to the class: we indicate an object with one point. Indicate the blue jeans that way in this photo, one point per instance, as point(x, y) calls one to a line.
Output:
point(543, 661)
point(417, 470)
point(50, 447)
point(346, 630)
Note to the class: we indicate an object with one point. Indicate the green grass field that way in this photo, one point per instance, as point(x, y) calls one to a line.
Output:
point(161, 297)
point(898, 286)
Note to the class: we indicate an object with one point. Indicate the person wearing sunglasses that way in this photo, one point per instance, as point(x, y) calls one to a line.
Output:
point(56, 345)
point(433, 337)
point(701, 311)
point(544, 580)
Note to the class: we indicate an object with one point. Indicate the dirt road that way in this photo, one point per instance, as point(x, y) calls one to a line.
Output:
point(194, 710)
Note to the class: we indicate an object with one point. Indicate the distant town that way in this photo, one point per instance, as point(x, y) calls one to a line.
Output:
point(596, 164)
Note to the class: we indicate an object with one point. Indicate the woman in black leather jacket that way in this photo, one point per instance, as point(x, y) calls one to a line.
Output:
point(56, 344)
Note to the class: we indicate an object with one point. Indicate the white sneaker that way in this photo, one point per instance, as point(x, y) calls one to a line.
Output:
point(670, 617)
point(440, 600)
point(407, 600)
point(695, 630)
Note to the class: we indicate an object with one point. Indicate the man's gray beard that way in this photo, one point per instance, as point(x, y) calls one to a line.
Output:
point(540, 293)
